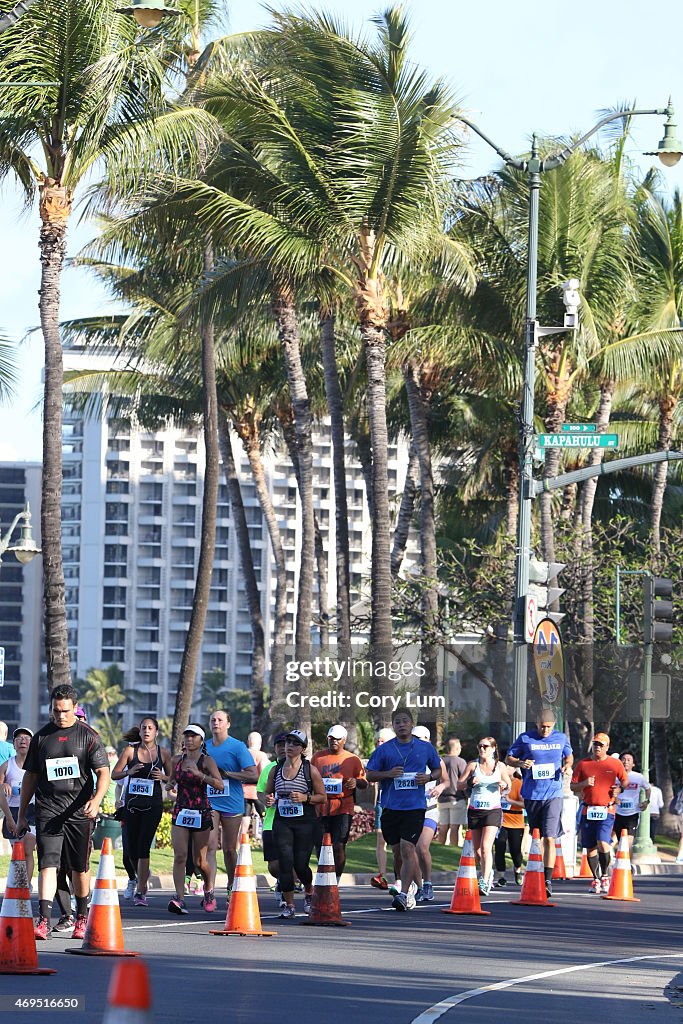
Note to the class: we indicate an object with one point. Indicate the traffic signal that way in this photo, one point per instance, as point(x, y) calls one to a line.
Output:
point(540, 575)
point(659, 610)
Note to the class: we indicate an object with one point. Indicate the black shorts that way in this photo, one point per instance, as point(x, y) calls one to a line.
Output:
point(627, 821)
point(338, 825)
point(30, 821)
point(398, 825)
point(270, 850)
point(64, 842)
point(480, 819)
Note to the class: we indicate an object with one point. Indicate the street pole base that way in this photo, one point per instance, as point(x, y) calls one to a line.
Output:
point(645, 852)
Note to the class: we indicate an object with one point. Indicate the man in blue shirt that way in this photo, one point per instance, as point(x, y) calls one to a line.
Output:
point(236, 766)
point(403, 766)
point(545, 756)
point(6, 748)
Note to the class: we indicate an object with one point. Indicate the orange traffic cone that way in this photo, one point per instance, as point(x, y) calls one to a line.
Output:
point(243, 917)
point(129, 1000)
point(560, 870)
point(533, 887)
point(325, 909)
point(18, 953)
point(584, 870)
point(466, 892)
point(103, 932)
point(621, 882)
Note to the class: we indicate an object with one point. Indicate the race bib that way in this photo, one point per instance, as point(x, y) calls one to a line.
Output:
point(16, 790)
point(505, 804)
point(542, 771)
point(60, 768)
point(189, 819)
point(627, 804)
point(484, 802)
point(596, 813)
point(213, 791)
point(141, 787)
point(333, 787)
point(288, 809)
point(406, 781)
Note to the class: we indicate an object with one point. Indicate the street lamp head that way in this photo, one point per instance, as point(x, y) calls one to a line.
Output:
point(148, 13)
point(670, 149)
point(25, 548)
point(572, 301)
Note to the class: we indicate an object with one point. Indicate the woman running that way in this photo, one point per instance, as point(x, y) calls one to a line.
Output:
point(11, 774)
point(295, 787)
point(193, 771)
point(146, 766)
point(488, 779)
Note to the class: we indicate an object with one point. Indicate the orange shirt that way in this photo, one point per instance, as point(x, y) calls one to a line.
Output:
point(606, 773)
point(343, 765)
point(514, 818)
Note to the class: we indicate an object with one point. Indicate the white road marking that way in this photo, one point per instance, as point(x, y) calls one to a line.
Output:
point(434, 1012)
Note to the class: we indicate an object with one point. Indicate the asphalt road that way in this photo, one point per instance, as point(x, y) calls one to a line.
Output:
point(585, 960)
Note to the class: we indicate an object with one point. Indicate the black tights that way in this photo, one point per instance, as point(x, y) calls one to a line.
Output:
point(512, 837)
point(295, 840)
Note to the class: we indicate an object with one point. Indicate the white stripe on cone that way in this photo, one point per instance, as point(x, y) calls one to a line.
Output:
point(326, 857)
point(16, 908)
point(246, 883)
point(324, 880)
point(107, 868)
point(104, 898)
point(467, 871)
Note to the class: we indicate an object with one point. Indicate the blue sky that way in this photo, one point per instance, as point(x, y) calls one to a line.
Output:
point(533, 65)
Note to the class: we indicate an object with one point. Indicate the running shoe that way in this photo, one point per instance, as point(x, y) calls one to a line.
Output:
point(287, 911)
point(379, 882)
point(501, 883)
point(419, 896)
point(308, 904)
point(140, 900)
point(604, 883)
point(395, 887)
point(186, 887)
point(400, 901)
point(410, 901)
point(129, 891)
point(595, 886)
point(65, 923)
point(548, 888)
point(176, 906)
point(481, 884)
point(278, 895)
point(199, 887)
point(427, 893)
point(518, 878)
point(299, 887)
point(228, 896)
point(484, 888)
point(412, 889)
point(79, 927)
point(41, 928)
point(209, 902)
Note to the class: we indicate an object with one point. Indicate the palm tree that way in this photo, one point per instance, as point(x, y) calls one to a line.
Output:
point(109, 106)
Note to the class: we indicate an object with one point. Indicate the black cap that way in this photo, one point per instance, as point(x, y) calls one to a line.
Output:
point(280, 738)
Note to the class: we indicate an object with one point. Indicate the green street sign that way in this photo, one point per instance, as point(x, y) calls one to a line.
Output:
point(578, 428)
point(578, 440)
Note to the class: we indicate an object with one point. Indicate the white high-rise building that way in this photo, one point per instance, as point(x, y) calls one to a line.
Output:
point(132, 504)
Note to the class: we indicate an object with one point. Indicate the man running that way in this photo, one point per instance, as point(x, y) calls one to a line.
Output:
point(629, 801)
point(342, 772)
point(452, 802)
point(595, 781)
point(403, 767)
point(58, 769)
point(545, 756)
point(236, 766)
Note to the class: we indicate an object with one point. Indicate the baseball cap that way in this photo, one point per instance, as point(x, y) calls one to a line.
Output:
point(299, 736)
point(21, 728)
point(337, 732)
point(196, 729)
point(79, 712)
point(280, 738)
point(422, 733)
point(601, 737)
point(386, 734)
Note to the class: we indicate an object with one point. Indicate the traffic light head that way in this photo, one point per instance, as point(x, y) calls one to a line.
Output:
point(659, 612)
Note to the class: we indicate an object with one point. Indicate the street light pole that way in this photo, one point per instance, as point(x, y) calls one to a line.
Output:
point(669, 152)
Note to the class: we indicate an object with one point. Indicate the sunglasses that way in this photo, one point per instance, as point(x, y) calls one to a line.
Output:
point(597, 743)
point(483, 746)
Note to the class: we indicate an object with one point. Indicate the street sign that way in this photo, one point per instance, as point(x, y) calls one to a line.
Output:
point(2, 666)
point(579, 428)
point(530, 618)
point(660, 696)
point(578, 440)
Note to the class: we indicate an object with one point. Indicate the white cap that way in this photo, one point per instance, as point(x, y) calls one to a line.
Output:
point(384, 735)
point(337, 732)
point(196, 729)
point(422, 733)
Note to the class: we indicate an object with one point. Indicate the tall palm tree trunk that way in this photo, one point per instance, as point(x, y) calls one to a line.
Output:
point(553, 422)
point(288, 332)
point(55, 208)
point(405, 512)
point(587, 503)
point(202, 590)
point(258, 656)
point(667, 407)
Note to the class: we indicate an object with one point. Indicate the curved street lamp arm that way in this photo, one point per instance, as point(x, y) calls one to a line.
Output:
point(521, 165)
point(12, 17)
point(5, 541)
point(556, 159)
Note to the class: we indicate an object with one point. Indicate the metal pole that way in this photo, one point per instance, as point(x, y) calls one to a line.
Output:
point(526, 466)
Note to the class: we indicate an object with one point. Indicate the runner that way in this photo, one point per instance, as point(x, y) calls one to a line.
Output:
point(295, 787)
point(194, 772)
point(146, 765)
point(452, 804)
point(425, 891)
point(379, 880)
point(236, 765)
point(342, 772)
point(545, 757)
point(490, 779)
point(403, 767)
point(629, 801)
point(58, 769)
point(270, 854)
point(11, 775)
point(595, 781)
point(511, 832)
